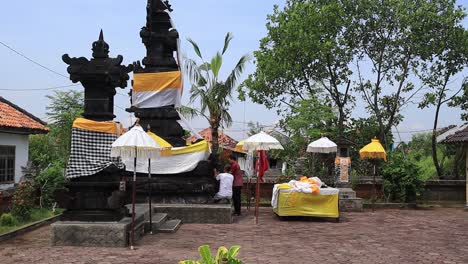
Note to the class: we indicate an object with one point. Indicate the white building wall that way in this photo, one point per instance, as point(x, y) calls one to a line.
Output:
point(21, 153)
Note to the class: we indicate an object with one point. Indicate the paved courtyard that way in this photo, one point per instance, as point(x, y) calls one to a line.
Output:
point(386, 236)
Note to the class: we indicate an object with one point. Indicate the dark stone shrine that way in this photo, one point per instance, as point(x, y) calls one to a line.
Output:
point(99, 76)
point(96, 197)
point(160, 40)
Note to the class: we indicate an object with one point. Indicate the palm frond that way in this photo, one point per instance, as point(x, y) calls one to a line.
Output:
point(188, 112)
point(205, 67)
point(195, 47)
point(231, 80)
point(227, 39)
point(216, 63)
point(193, 70)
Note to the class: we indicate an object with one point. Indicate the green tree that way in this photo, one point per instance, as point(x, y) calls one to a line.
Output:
point(50, 152)
point(214, 94)
point(64, 108)
point(308, 49)
point(396, 38)
point(450, 57)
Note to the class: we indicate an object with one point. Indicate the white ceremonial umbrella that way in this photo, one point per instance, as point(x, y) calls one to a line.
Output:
point(260, 141)
point(322, 145)
point(135, 144)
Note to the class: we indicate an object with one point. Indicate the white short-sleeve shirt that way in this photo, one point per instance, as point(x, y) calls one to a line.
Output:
point(225, 184)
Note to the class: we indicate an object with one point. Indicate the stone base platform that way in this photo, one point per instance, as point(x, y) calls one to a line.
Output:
point(110, 234)
point(197, 213)
point(349, 202)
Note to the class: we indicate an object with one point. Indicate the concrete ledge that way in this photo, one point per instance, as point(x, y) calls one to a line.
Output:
point(351, 205)
point(28, 228)
point(89, 234)
point(197, 213)
point(390, 205)
point(99, 234)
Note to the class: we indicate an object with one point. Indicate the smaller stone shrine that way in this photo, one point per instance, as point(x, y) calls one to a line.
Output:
point(347, 196)
point(94, 177)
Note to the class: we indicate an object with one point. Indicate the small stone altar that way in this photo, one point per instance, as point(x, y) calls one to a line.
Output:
point(347, 196)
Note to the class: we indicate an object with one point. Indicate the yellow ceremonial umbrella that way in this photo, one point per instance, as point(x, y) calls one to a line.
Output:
point(375, 151)
point(239, 147)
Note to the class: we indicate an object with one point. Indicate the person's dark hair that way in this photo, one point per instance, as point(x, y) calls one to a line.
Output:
point(227, 167)
point(232, 157)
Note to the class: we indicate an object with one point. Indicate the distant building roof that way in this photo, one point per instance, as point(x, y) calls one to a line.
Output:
point(224, 140)
point(455, 135)
point(15, 119)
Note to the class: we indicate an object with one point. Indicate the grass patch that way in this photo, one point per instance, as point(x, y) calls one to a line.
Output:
point(37, 214)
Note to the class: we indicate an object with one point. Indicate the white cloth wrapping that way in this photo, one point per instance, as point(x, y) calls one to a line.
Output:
point(160, 98)
point(169, 164)
point(297, 186)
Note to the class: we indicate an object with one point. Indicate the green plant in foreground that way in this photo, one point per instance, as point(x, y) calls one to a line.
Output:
point(23, 201)
point(7, 220)
point(223, 256)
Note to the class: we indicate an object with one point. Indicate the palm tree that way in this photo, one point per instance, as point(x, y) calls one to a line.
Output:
point(214, 94)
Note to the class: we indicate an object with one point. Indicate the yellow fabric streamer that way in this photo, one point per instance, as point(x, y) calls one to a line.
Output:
point(165, 146)
point(149, 82)
point(109, 127)
point(197, 147)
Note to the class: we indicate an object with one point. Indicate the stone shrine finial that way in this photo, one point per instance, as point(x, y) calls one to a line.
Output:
point(99, 77)
point(100, 47)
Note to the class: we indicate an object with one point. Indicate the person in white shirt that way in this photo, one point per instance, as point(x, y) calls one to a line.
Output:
point(225, 184)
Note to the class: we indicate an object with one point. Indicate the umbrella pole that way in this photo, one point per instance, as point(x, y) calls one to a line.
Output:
point(373, 191)
point(132, 235)
point(149, 197)
point(257, 192)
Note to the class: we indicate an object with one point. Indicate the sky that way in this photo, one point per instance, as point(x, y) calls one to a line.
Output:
point(45, 30)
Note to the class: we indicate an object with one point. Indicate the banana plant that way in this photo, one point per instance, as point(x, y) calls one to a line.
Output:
point(223, 256)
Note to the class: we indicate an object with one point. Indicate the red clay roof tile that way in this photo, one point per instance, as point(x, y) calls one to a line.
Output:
point(12, 116)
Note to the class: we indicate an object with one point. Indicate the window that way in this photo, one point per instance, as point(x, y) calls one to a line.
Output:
point(7, 164)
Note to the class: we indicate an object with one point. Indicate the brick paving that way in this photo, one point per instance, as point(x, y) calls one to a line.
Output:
point(386, 236)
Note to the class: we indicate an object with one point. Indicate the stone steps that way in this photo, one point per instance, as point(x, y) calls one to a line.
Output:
point(158, 219)
point(170, 226)
point(160, 222)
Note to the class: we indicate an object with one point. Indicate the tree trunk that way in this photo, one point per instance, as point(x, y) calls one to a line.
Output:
point(215, 143)
point(434, 142)
point(341, 118)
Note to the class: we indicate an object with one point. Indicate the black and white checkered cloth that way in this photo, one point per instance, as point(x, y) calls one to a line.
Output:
point(90, 153)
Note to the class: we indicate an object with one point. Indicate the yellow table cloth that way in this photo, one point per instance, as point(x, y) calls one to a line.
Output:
point(307, 204)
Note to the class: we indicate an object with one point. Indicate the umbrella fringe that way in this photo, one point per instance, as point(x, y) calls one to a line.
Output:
point(140, 153)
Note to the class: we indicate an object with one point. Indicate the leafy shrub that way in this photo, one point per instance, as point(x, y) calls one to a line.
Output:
point(284, 178)
point(23, 201)
point(7, 220)
point(223, 256)
point(48, 181)
point(401, 179)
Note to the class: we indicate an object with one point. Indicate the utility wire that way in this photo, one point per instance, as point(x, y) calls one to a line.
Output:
point(33, 61)
point(40, 89)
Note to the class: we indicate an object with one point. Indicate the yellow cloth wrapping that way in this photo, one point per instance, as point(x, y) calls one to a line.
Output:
point(146, 82)
point(157, 89)
point(109, 127)
point(373, 150)
point(306, 204)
